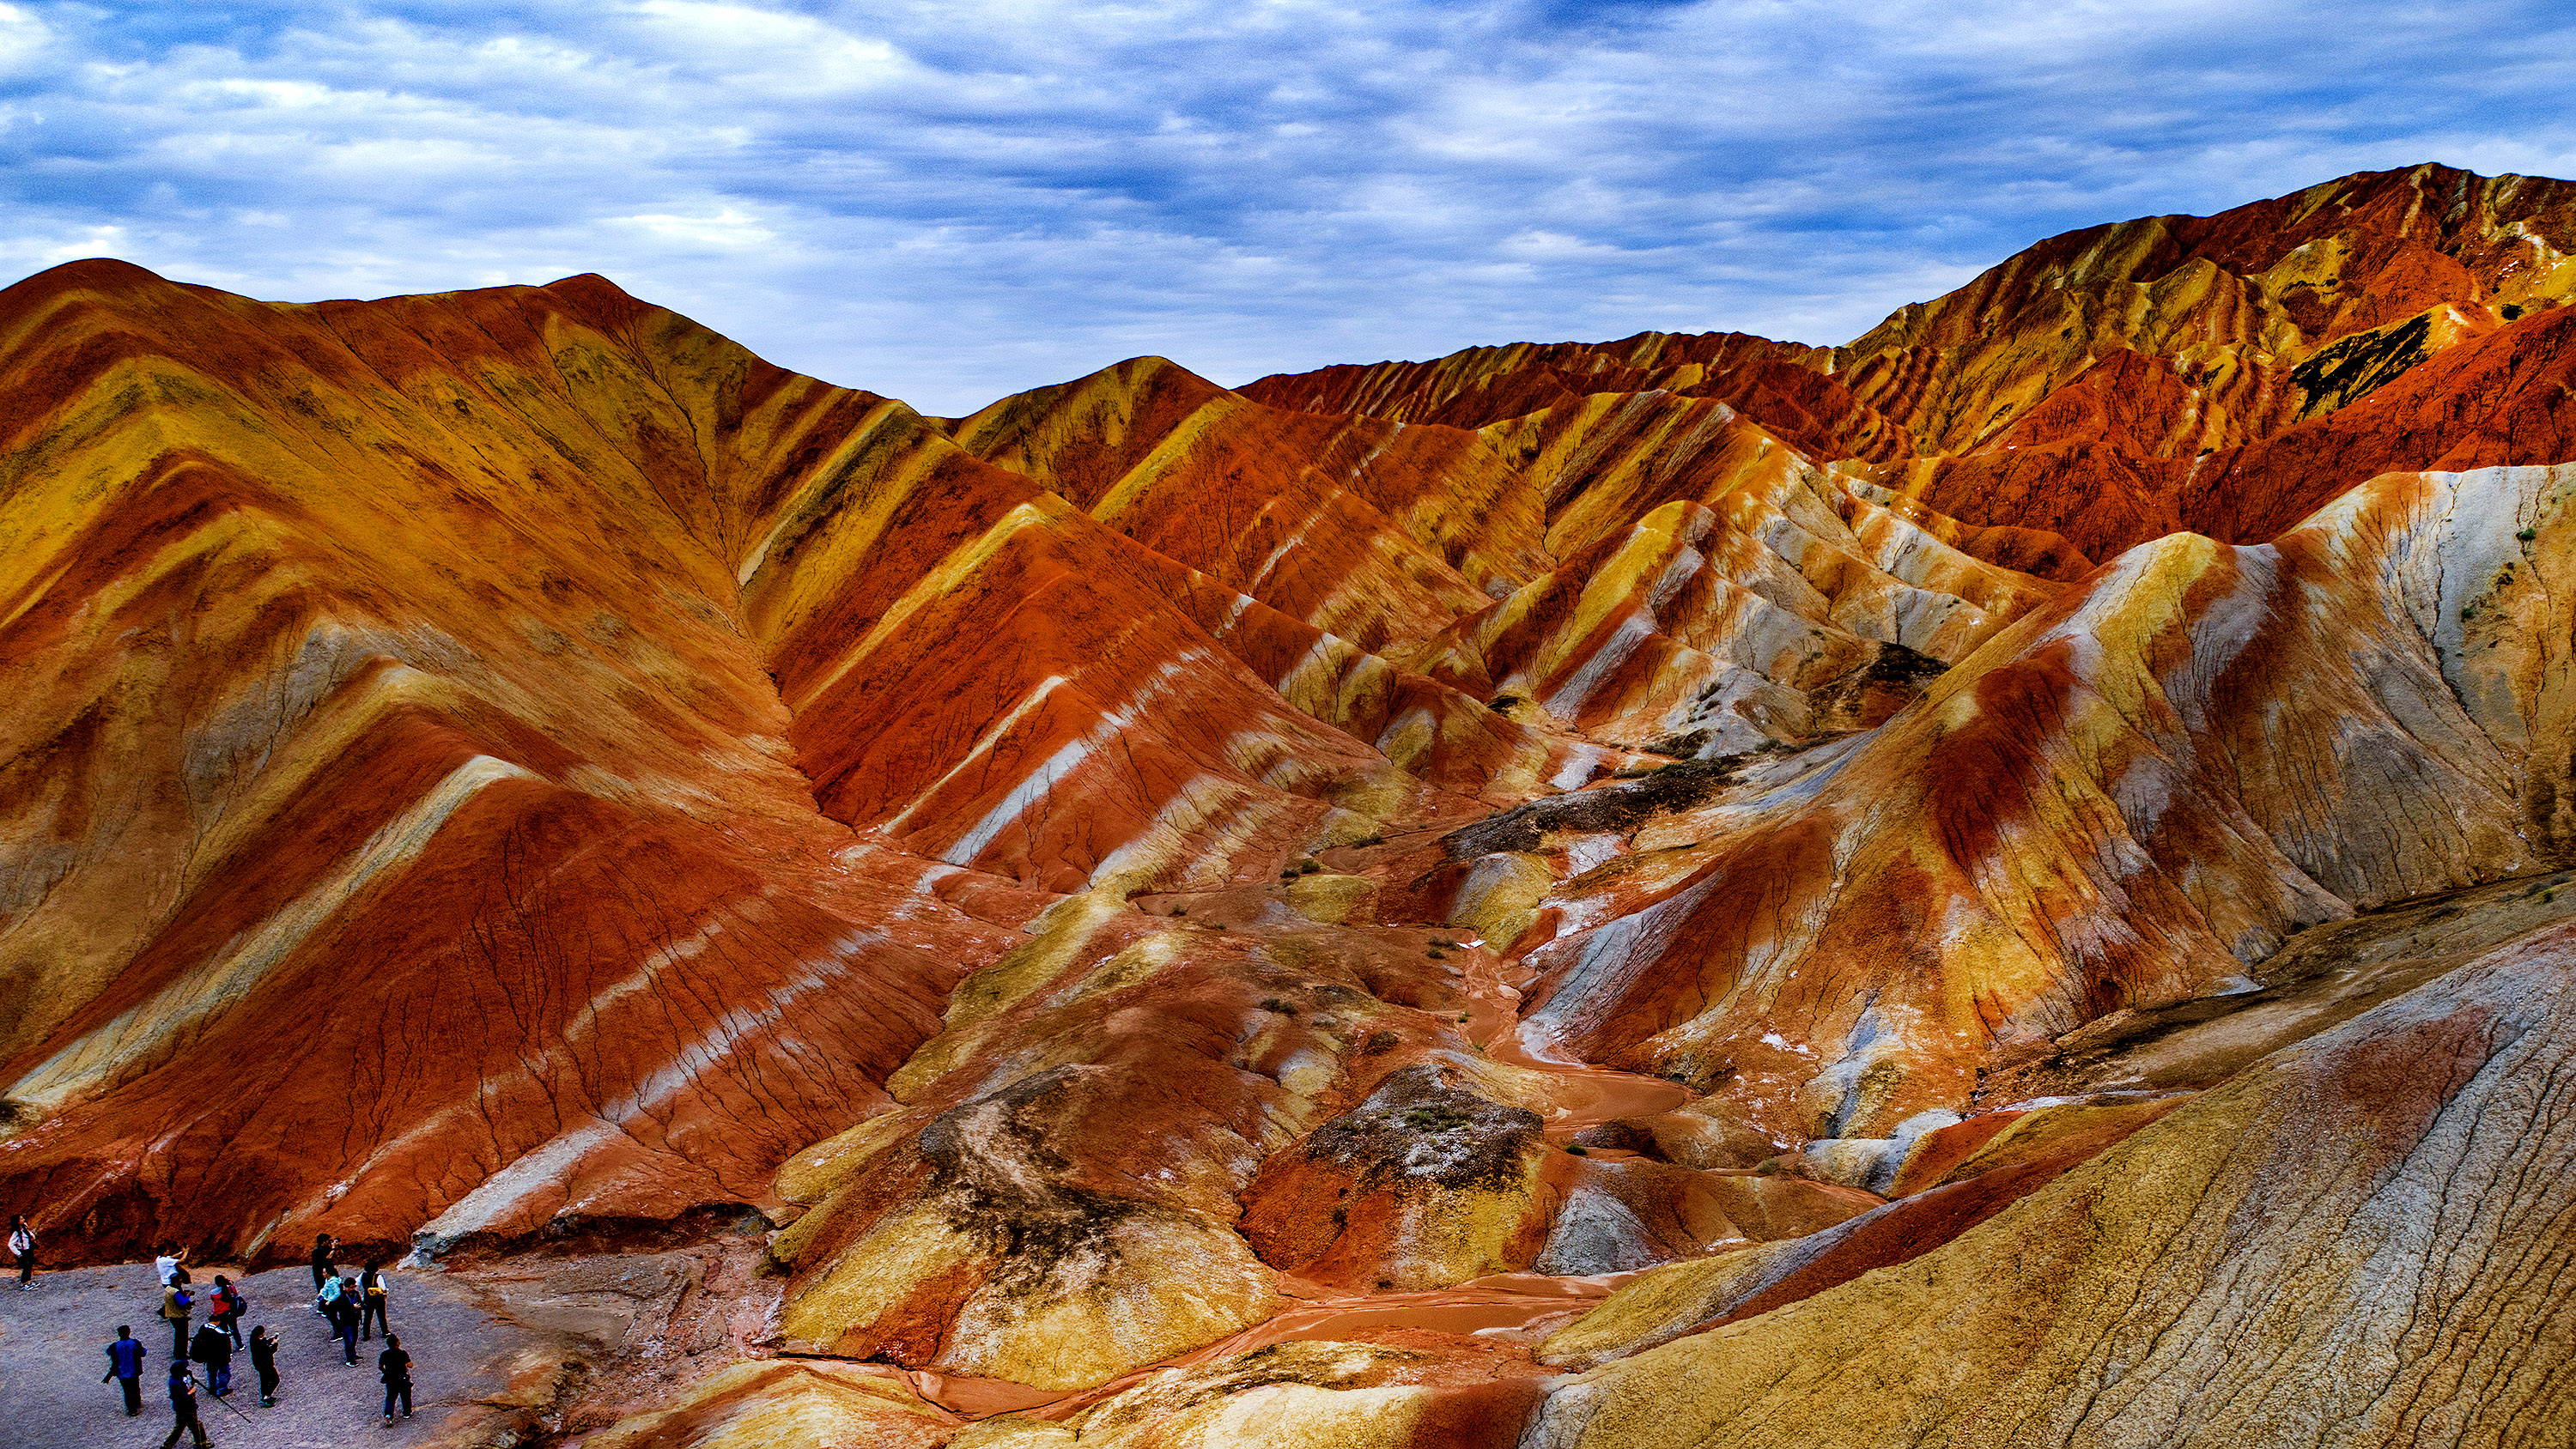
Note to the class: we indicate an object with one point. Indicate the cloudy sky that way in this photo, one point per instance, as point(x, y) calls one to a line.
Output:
point(951, 201)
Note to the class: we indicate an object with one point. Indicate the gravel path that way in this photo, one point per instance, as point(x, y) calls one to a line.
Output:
point(52, 1349)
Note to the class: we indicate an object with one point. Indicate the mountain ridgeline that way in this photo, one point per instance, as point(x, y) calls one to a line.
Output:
point(2006, 883)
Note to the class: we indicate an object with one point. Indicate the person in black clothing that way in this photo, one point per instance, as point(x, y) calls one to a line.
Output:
point(371, 1301)
point(344, 1318)
point(183, 1403)
point(214, 1349)
point(125, 1365)
point(394, 1367)
point(323, 1272)
point(263, 1361)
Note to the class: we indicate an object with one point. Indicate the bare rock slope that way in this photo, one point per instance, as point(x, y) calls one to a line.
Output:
point(1999, 884)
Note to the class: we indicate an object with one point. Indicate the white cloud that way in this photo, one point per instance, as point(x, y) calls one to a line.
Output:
point(950, 201)
point(726, 228)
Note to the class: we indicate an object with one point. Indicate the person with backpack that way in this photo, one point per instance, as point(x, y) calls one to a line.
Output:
point(125, 1366)
point(224, 1309)
point(344, 1319)
point(394, 1367)
point(263, 1361)
point(22, 1245)
point(371, 1301)
point(213, 1349)
point(183, 1404)
point(176, 1306)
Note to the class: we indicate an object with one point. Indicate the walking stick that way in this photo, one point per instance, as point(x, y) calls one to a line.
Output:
point(218, 1398)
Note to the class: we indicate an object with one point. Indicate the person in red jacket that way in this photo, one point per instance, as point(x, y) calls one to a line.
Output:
point(224, 1308)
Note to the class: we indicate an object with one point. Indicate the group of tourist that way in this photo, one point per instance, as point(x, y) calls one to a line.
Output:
point(354, 1308)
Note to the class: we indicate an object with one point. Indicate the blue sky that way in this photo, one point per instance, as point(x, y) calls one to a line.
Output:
point(947, 202)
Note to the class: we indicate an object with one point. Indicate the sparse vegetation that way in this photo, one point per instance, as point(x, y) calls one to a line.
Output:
point(1435, 1117)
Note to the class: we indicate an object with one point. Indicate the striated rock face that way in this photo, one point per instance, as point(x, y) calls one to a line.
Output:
point(2281, 1261)
point(400, 827)
point(2122, 382)
point(2004, 883)
point(2128, 797)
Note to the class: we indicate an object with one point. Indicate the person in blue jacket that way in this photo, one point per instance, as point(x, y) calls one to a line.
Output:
point(183, 1404)
point(125, 1365)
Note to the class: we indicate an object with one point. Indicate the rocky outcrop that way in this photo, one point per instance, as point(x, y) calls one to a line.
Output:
point(1314, 1395)
point(1844, 937)
point(2383, 1199)
point(764, 1402)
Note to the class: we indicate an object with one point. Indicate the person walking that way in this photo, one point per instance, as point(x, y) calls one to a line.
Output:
point(326, 1301)
point(125, 1366)
point(224, 1308)
point(263, 1361)
point(323, 1271)
point(183, 1404)
point(344, 1321)
point(22, 1245)
point(176, 1305)
point(394, 1367)
point(371, 1301)
point(214, 1349)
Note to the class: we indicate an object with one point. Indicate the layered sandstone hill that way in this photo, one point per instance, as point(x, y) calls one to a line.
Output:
point(2127, 381)
point(1961, 889)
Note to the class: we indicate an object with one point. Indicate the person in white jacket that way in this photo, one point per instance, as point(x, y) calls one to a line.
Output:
point(22, 1245)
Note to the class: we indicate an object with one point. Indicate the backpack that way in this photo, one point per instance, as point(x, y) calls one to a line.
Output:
point(228, 1300)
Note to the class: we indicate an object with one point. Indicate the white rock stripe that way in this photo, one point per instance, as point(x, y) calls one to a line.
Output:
point(142, 1030)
